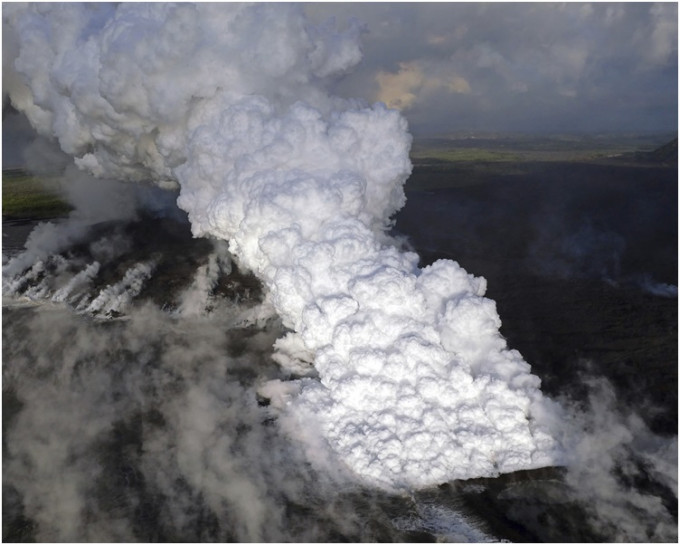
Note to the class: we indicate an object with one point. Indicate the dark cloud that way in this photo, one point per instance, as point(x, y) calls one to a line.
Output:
point(519, 67)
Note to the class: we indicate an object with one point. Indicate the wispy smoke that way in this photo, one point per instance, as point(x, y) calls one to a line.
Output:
point(624, 475)
point(149, 429)
point(589, 252)
point(657, 288)
point(415, 384)
point(115, 298)
point(195, 301)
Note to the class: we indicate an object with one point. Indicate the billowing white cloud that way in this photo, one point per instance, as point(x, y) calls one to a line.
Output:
point(416, 386)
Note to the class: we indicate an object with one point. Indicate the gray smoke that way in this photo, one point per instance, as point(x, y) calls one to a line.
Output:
point(624, 475)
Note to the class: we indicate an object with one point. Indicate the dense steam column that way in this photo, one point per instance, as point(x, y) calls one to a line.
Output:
point(416, 385)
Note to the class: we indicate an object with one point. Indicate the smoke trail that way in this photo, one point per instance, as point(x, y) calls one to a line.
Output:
point(624, 474)
point(657, 288)
point(195, 300)
point(415, 384)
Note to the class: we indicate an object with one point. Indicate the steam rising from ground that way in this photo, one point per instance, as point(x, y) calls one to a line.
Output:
point(415, 384)
point(153, 427)
point(149, 429)
point(612, 454)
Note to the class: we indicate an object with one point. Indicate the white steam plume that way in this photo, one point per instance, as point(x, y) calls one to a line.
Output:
point(196, 299)
point(116, 297)
point(416, 385)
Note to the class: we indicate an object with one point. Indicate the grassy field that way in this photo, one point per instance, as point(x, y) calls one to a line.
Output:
point(465, 160)
point(24, 195)
point(464, 155)
point(525, 148)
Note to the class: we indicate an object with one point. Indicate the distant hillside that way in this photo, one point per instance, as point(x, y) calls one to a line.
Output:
point(666, 154)
point(490, 148)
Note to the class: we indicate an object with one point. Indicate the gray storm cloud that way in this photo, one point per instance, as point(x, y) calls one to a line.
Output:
point(546, 67)
point(415, 384)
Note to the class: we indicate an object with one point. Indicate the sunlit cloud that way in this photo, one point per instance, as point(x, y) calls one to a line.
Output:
point(402, 89)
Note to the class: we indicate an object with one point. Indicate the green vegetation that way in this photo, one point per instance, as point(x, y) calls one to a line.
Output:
point(24, 195)
point(469, 160)
point(508, 148)
point(465, 154)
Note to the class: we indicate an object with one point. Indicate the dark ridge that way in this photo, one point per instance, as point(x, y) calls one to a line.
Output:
point(666, 154)
point(526, 506)
point(663, 156)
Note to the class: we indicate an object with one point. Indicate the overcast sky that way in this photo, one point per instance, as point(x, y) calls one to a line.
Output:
point(518, 67)
point(507, 67)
